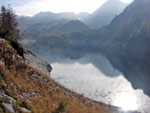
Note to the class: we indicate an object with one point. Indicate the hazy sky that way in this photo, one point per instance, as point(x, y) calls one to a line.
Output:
point(31, 7)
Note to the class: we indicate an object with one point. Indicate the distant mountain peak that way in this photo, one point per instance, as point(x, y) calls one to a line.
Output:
point(104, 14)
point(110, 5)
point(44, 14)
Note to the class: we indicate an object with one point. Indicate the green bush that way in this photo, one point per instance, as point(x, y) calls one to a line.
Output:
point(61, 107)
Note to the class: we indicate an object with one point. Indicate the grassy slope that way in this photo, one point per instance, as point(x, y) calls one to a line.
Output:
point(35, 91)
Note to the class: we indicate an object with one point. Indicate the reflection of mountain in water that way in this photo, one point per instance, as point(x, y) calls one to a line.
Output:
point(135, 68)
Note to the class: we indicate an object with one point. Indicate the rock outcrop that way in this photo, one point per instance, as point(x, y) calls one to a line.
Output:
point(38, 63)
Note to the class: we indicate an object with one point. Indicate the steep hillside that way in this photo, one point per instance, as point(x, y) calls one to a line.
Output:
point(130, 30)
point(24, 89)
point(103, 15)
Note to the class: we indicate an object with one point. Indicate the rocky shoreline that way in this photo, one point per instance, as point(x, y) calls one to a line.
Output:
point(37, 63)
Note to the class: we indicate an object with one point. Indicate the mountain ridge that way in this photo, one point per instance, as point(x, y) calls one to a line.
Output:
point(104, 14)
point(129, 26)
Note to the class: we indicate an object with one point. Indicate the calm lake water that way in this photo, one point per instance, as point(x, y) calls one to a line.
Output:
point(117, 79)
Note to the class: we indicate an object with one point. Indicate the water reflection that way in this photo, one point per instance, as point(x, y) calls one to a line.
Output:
point(127, 101)
point(107, 77)
point(136, 69)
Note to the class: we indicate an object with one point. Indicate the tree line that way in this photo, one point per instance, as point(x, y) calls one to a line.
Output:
point(8, 23)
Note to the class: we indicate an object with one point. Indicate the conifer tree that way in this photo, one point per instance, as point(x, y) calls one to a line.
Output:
point(8, 23)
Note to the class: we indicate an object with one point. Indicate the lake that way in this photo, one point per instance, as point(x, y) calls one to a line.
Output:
point(117, 79)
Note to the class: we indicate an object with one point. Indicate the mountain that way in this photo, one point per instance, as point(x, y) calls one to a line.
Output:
point(73, 25)
point(50, 23)
point(104, 14)
point(40, 30)
point(82, 16)
point(130, 30)
point(44, 17)
point(50, 18)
